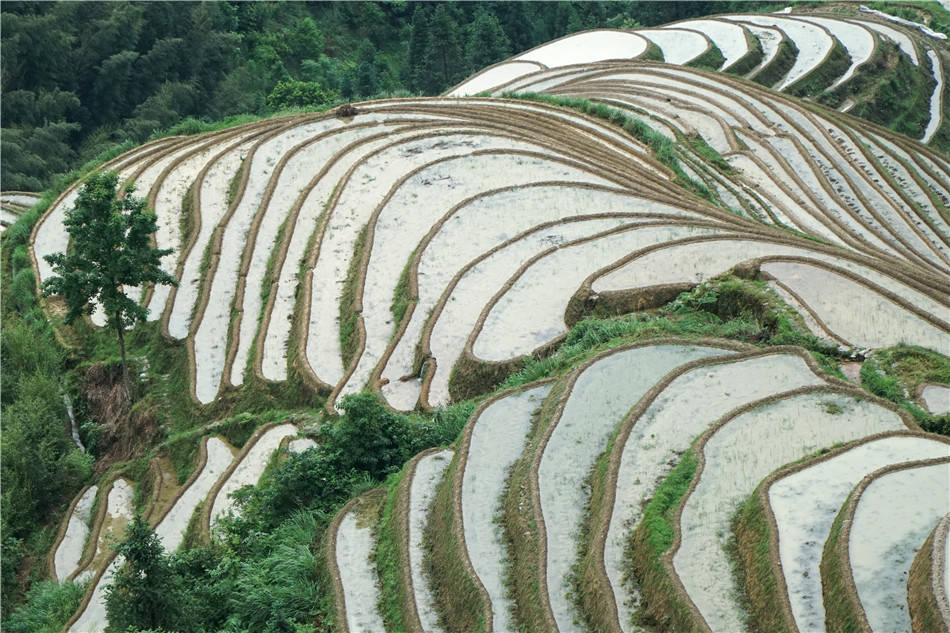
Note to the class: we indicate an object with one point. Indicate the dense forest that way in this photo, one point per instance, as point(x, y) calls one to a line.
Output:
point(81, 77)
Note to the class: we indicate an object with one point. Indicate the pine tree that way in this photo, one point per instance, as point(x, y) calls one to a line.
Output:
point(487, 43)
point(443, 54)
point(417, 46)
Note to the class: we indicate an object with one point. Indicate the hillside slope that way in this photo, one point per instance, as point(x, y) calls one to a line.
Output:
point(437, 250)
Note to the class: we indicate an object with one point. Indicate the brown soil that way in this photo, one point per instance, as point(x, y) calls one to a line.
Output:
point(852, 371)
point(126, 431)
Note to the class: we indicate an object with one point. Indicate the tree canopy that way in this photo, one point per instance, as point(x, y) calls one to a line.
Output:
point(111, 252)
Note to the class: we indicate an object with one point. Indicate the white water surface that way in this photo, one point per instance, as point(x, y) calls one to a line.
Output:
point(782, 432)
point(682, 411)
point(892, 519)
point(69, 553)
point(354, 551)
point(587, 47)
point(498, 439)
point(425, 481)
point(598, 402)
point(806, 503)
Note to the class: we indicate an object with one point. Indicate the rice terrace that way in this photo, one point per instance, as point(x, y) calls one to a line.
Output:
point(644, 327)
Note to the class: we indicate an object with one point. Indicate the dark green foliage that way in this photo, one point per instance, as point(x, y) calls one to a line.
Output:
point(49, 605)
point(299, 94)
point(276, 583)
point(364, 445)
point(368, 438)
point(442, 64)
point(487, 42)
point(79, 78)
point(144, 592)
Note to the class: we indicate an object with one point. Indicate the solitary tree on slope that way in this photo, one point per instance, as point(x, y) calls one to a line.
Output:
point(111, 251)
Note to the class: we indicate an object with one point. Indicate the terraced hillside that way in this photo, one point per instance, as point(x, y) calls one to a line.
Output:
point(13, 204)
point(853, 63)
point(428, 249)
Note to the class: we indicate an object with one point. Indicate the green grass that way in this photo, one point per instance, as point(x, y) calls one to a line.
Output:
point(730, 308)
point(897, 373)
point(835, 64)
point(653, 54)
point(893, 92)
point(401, 296)
point(661, 605)
point(709, 155)
point(750, 60)
point(841, 615)
point(520, 530)
point(457, 598)
point(349, 340)
point(710, 60)
point(779, 66)
point(47, 608)
point(753, 567)
point(389, 566)
point(587, 587)
point(663, 149)
point(931, 13)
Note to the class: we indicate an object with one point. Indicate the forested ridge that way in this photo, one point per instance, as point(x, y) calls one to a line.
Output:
point(81, 77)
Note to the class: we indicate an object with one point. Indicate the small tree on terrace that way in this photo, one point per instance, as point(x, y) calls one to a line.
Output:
point(111, 250)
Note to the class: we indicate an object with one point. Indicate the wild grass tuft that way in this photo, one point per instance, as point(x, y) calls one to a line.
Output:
point(664, 150)
point(47, 608)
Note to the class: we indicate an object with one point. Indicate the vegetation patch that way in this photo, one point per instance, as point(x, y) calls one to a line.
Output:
point(520, 529)
point(841, 615)
point(754, 569)
point(643, 556)
point(712, 59)
point(709, 155)
point(457, 596)
point(924, 610)
point(750, 60)
point(349, 338)
point(835, 64)
point(898, 373)
point(587, 583)
point(653, 53)
point(729, 307)
point(664, 150)
point(401, 296)
point(47, 607)
point(389, 561)
point(893, 92)
point(779, 66)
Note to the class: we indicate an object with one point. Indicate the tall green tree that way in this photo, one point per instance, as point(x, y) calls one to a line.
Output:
point(111, 250)
point(442, 61)
point(144, 591)
point(487, 42)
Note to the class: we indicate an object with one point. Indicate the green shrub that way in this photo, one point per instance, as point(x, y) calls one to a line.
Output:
point(20, 258)
point(299, 94)
point(49, 605)
point(21, 290)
